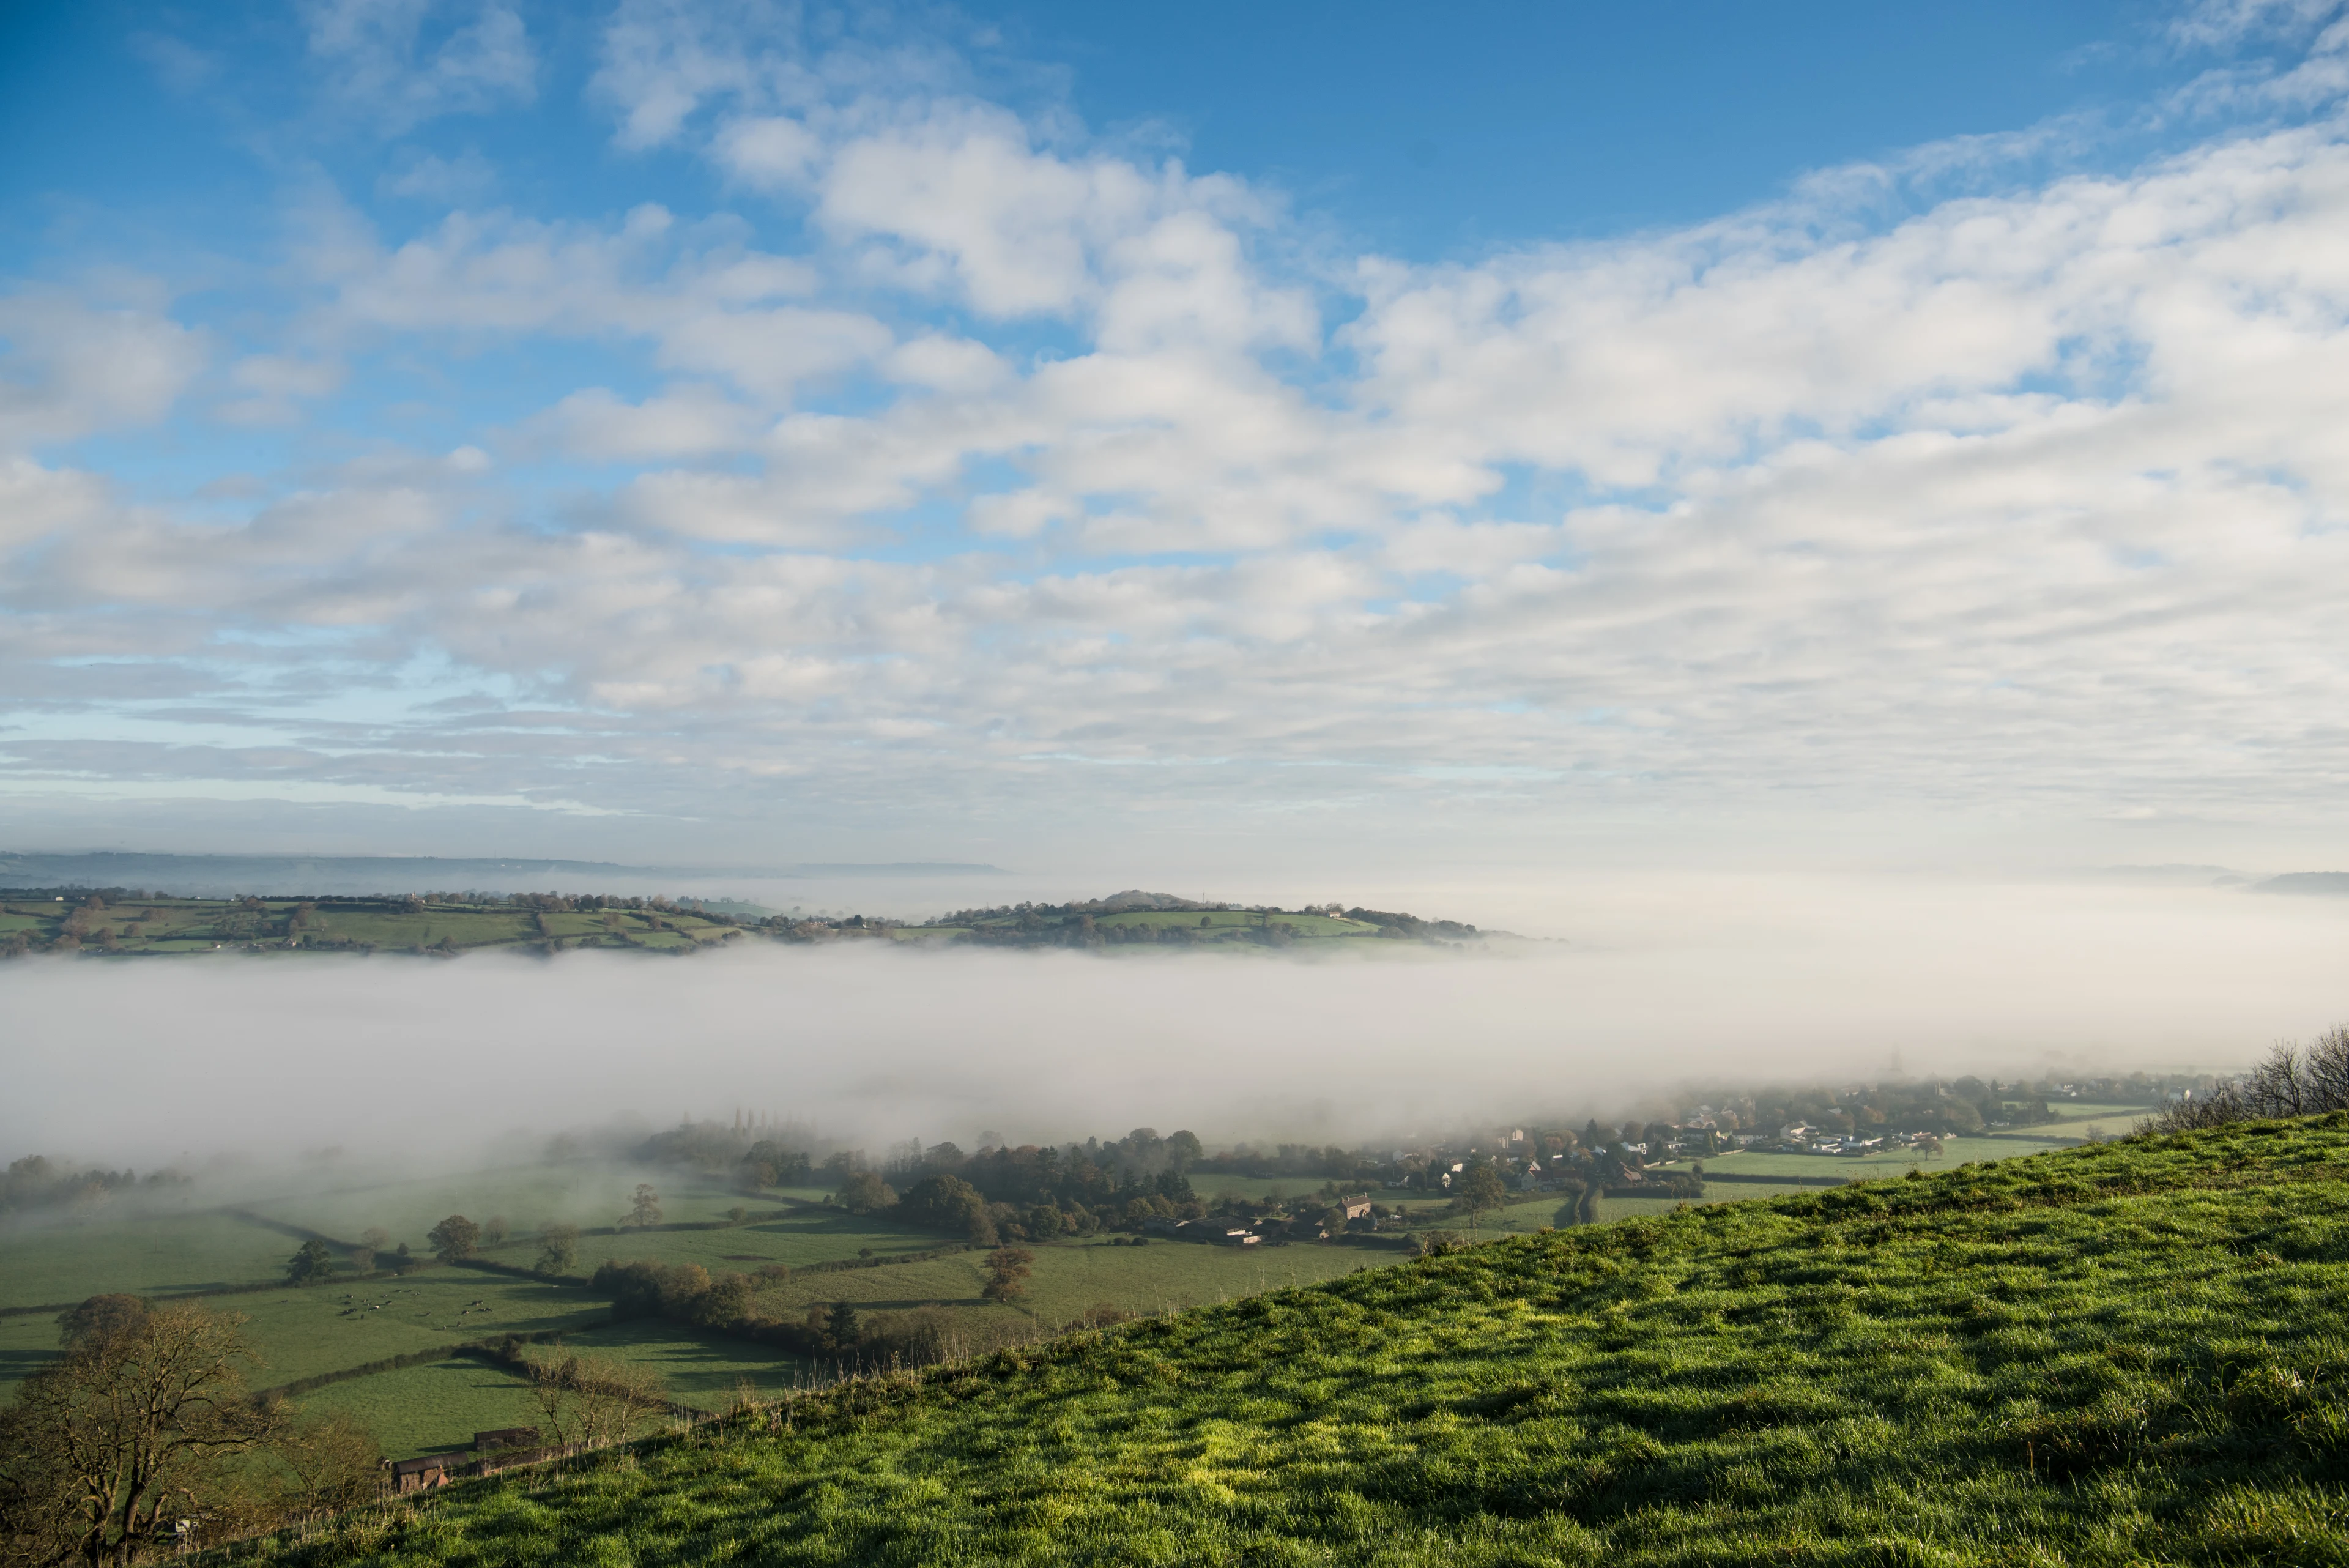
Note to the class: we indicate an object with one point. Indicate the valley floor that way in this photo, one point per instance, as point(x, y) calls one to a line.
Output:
point(2119, 1354)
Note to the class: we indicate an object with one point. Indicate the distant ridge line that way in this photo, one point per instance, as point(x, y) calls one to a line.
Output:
point(170, 873)
point(2317, 884)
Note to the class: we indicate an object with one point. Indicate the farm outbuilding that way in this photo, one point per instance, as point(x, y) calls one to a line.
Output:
point(418, 1474)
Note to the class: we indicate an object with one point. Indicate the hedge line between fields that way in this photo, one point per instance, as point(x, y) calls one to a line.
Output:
point(1762, 1180)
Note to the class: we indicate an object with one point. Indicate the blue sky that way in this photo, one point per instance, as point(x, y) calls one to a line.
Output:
point(1421, 130)
point(689, 430)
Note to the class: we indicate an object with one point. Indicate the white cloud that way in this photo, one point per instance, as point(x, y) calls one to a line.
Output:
point(769, 152)
point(273, 385)
point(467, 180)
point(68, 369)
point(689, 420)
point(402, 62)
point(769, 353)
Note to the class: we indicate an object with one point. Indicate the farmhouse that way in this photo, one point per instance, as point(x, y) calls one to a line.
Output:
point(418, 1475)
point(1357, 1206)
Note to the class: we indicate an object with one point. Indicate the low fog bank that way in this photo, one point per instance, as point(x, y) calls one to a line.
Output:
point(143, 1062)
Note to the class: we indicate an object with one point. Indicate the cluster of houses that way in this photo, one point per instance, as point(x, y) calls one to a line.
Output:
point(1799, 1138)
point(1234, 1233)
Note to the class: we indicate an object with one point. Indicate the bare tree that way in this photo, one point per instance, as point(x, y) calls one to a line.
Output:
point(590, 1401)
point(335, 1462)
point(129, 1424)
point(2295, 1081)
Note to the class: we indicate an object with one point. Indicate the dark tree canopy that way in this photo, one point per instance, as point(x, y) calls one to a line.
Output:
point(313, 1265)
point(455, 1237)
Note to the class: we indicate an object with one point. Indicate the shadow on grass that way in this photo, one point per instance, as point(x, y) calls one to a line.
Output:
point(18, 1364)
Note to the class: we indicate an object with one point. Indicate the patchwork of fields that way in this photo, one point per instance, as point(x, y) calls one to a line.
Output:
point(302, 1334)
point(228, 1258)
point(2114, 1355)
point(164, 926)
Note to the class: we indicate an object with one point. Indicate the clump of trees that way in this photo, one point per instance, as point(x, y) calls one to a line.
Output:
point(768, 1164)
point(313, 1265)
point(455, 1237)
point(36, 1181)
point(949, 1206)
point(682, 1292)
point(865, 1193)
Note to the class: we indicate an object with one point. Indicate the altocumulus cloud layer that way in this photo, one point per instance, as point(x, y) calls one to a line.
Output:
point(1758, 981)
point(954, 458)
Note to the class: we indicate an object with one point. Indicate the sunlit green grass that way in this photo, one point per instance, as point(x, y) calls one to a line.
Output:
point(2117, 1355)
point(440, 1406)
point(799, 1238)
point(1066, 1281)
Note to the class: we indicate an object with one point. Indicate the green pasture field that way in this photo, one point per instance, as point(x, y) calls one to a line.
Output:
point(440, 1405)
point(800, 1237)
point(527, 1195)
point(703, 1370)
point(324, 1328)
point(2116, 1120)
point(1258, 1188)
point(302, 1333)
point(27, 1343)
point(1067, 1279)
point(1955, 1152)
point(67, 1261)
point(429, 1408)
point(2109, 1356)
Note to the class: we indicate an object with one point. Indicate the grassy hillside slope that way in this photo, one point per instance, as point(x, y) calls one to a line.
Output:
point(2114, 1353)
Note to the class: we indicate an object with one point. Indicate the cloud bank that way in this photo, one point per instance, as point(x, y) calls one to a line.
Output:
point(1756, 981)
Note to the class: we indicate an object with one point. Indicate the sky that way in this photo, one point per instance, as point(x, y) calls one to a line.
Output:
point(1130, 444)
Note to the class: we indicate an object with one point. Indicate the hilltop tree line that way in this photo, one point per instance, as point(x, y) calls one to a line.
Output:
point(1075, 924)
